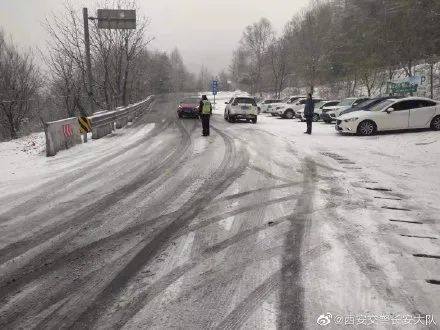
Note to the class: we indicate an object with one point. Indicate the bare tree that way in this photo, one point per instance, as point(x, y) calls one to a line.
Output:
point(255, 41)
point(19, 86)
point(113, 52)
point(278, 59)
point(204, 78)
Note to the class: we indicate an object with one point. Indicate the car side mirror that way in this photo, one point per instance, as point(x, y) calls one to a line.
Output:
point(226, 102)
point(389, 110)
point(234, 104)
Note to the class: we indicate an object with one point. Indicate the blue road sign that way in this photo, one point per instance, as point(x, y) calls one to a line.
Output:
point(214, 86)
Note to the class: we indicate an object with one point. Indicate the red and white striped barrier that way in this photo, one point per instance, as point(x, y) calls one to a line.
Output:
point(67, 130)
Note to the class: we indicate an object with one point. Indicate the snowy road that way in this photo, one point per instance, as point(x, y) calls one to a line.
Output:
point(257, 226)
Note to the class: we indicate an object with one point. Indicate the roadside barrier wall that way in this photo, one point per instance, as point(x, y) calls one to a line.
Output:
point(65, 133)
point(61, 134)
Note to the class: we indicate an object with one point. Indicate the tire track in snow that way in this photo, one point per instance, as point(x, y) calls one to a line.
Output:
point(38, 265)
point(94, 303)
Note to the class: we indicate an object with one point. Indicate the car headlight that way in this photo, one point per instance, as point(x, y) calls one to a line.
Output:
point(349, 120)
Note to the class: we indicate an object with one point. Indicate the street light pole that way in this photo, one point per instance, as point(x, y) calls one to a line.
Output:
point(88, 65)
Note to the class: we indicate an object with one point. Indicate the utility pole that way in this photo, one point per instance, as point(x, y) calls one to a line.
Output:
point(431, 78)
point(88, 65)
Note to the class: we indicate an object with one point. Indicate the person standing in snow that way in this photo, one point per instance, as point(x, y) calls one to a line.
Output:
point(205, 110)
point(309, 111)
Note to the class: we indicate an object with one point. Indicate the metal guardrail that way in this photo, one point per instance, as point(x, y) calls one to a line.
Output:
point(104, 123)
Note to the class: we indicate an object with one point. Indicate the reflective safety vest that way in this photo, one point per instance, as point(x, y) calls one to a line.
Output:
point(206, 109)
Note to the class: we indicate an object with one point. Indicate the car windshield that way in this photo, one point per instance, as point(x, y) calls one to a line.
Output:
point(319, 104)
point(190, 100)
point(292, 100)
point(366, 104)
point(346, 102)
point(245, 100)
point(381, 105)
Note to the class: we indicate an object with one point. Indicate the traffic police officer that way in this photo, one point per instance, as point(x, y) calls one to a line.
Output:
point(205, 110)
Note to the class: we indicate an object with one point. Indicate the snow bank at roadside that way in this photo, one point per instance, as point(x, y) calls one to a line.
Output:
point(32, 144)
point(23, 162)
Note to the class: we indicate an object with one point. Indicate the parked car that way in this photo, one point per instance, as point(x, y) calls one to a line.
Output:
point(241, 108)
point(318, 110)
point(266, 104)
point(286, 104)
point(367, 104)
point(329, 116)
point(189, 107)
point(392, 114)
point(288, 109)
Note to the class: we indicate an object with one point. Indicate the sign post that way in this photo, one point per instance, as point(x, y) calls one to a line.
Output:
point(88, 66)
point(107, 19)
point(214, 88)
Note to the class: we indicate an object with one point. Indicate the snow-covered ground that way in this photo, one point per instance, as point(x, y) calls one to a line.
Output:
point(255, 226)
point(23, 162)
point(395, 159)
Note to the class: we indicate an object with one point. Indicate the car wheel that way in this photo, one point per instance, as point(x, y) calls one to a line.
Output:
point(366, 128)
point(315, 117)
point(435, 123)
point(254, 120)
point(289, 114)
point(231, 119)
point(327, 121)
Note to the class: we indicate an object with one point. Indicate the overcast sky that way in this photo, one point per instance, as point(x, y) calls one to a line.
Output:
point(205, 31)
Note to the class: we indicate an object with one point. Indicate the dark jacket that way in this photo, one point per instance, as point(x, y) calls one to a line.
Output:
point(309, 108)
point(201, 107)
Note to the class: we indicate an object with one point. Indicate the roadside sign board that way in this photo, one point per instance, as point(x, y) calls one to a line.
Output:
point(214, 86)
point(119, 19)
point(403, 88)
point(409, 85)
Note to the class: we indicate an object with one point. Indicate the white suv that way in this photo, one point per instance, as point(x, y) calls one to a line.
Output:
point(288, 109)
point(285, 104)
point(267, 104)
point(241, 108)
point(319, 106)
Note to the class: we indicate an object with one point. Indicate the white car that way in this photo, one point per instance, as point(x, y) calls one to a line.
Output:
point(331, 115)
point(392, 114)
point(288, 109)
point(241, 108)
point(266, 104)
point(318, 110)
point(272, 108)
